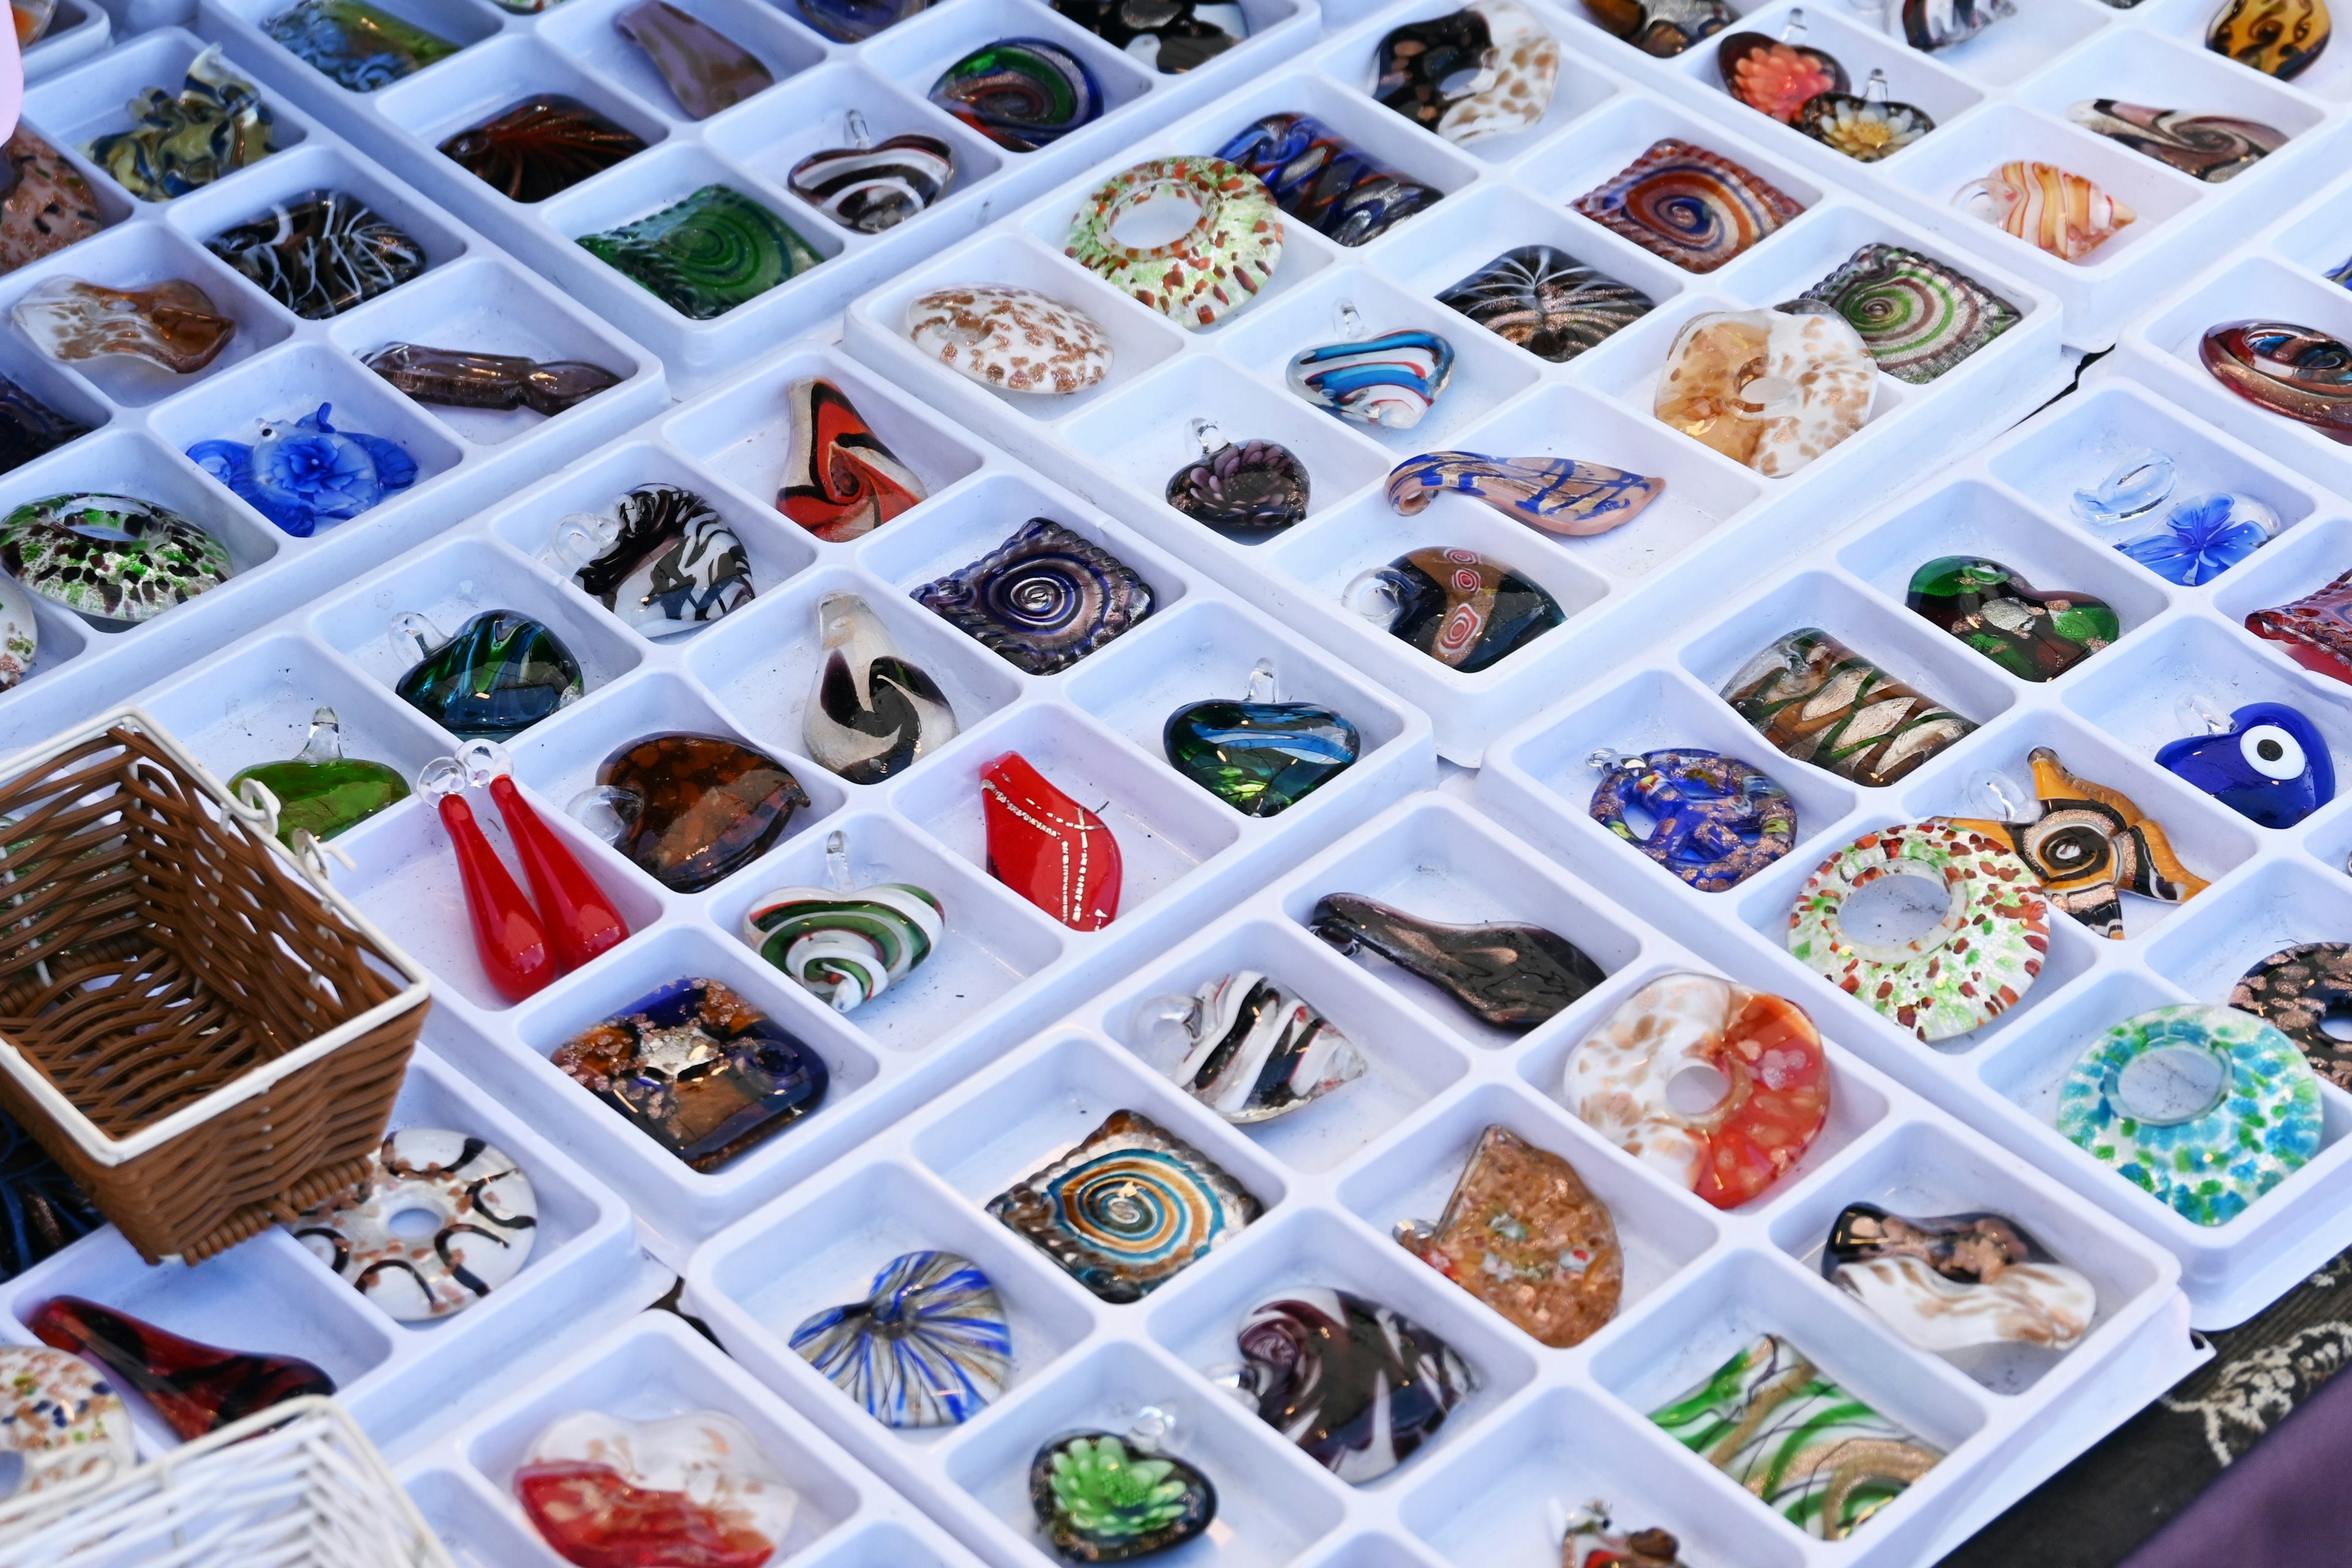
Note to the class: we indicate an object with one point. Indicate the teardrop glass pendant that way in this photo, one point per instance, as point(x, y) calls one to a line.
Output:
point(579, 916)
point(507, 936)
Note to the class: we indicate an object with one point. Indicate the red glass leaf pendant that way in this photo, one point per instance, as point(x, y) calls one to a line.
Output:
point(507, 936)
point(840, 480)
point(195, 1388)
point(580, 918)
point(593, 1517)
point(1047, 848)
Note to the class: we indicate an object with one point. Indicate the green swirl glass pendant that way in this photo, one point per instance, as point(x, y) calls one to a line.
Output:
point(708, 254)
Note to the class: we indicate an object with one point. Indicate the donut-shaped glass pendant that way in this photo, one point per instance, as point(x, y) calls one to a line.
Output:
point(1715, 820)
point(1766, 1050)
point(67, 1427)
point(484, 1216)
point(1212, 269)
point(2297, 991)
point(1974, 963)
point(2206, 1109)
point(1129, 1209)
point(1697, 208)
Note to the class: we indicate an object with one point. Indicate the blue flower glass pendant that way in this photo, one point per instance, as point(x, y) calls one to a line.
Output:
point(1389, 381)
point(300, 473)
point(1715, 820)
point(2203, 537)
point(2265, 762)
point(1257, 755)
point(1558, 495)
point(927, 1346)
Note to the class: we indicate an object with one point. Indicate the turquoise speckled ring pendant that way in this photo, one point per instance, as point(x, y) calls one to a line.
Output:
point(1388, 381)
point(2204, 1108)
point(846, 944)
point(1989, 926)
point(1556, 495)
point(1714, 821)
point(1215, 267)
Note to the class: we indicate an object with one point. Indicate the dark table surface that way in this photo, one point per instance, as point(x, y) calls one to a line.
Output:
point(2247, 1462)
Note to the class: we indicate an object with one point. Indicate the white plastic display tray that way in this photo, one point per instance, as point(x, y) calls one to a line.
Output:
point(1545, 1426)
point(278, 366)
point(2279, 276)
point(573, 48)
point(1719, 523)
point(1003, 969)
point(77, 32)
point(2004, 94)
point(400, 1380)
point(2106, 719)
point(651, 1368)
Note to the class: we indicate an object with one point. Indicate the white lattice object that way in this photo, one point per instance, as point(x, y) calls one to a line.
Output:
point(297, 1486)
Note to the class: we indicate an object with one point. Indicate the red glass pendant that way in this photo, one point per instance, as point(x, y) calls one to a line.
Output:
point(194, 1387)
point(1047, 848)
point(507, 936)
point(593, 1516)
point(579, 916)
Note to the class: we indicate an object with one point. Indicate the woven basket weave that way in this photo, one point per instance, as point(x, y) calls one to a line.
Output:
point(204, 1037)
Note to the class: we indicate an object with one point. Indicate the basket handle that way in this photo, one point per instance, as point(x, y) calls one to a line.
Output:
point(256, 804)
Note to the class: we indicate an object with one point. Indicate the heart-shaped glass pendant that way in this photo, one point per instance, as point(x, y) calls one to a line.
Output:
point(1777, 76)
point(928, 1346)
point(2033, 633)
point(1257, 755)
point(1865, 127)
point(1259, 486)
point(319, 789)
point(845, 943)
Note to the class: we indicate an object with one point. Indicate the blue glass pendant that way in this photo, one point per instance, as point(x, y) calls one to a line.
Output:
point(300, 473)
point(1390, 381)
point(502, 673)
point(1257, 755)
point(927, 1347)
point(2269, 766)
point(2203, 537)
point(1715, 820)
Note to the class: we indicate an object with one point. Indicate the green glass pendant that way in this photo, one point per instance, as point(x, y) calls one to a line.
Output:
point(2035, 634)
point(1257, 755)
point(1101, 1500)
point(502, 673)
point(319, 789)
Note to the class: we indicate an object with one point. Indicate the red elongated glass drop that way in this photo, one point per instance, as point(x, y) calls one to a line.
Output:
point(508, 935)
point(196, 1388)
point(593, 1516)
point(580, 918)
point(1047, 848)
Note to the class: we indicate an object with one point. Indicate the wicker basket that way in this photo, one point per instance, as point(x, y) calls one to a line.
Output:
point(201, 1031)
point(295, 1485)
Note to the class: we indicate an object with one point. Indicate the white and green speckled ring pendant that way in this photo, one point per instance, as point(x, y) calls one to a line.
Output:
point(2204, 1108)
point(1213, 269)
point(1971, 966)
